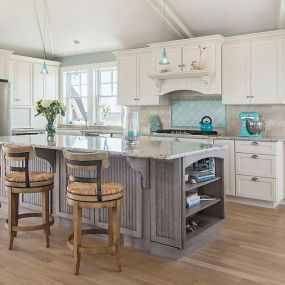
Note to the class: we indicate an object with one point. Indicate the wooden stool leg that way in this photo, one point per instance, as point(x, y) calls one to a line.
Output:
point(11, 213)
point(77, 220)
point(45, 216)
point(116, 232)
point(16, 205)
point(110, 226)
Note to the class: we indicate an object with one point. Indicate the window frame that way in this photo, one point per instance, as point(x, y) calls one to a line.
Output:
point(92, 93)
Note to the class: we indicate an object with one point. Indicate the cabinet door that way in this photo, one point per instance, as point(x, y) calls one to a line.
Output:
point(229, 166)
point(266, 71)
point(13, 82)
point(24, 83)
point(146, 88)
point(38, 82)
point(192, 53)
point(50, 83)
point(236, 73)
point(21, 118)
point(127, 80)
point(4, 67)
point(174, 55)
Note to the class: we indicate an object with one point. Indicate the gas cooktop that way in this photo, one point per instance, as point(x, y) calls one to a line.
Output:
point(186, 132)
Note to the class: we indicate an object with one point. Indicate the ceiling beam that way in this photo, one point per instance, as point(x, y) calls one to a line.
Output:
point(282, 15)
point(171, 18)
point(39, 10)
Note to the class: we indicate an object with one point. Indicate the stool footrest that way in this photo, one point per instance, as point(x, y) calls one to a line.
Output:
point(30, 228)
point(93, 249)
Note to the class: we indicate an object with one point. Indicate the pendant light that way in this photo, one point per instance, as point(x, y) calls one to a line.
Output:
point(76, 43)
point(44, 70)
point(164, 59)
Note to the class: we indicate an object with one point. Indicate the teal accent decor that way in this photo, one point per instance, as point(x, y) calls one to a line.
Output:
point(155, 123)
point(164, 60)
point(188, 113)
point(44, 69)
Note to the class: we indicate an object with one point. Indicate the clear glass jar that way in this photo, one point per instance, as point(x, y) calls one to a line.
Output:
point(131, 124)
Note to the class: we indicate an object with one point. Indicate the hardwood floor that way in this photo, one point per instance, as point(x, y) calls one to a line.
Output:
point(251, 250)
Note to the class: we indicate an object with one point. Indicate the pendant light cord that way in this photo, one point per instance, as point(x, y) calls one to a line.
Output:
point(164, 30)
point(44, 35)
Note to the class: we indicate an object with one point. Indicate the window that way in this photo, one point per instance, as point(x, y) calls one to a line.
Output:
point(77, 97)
point(91, 100)
point(106, 80)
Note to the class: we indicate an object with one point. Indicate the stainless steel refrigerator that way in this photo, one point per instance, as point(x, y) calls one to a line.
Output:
point(5, 108)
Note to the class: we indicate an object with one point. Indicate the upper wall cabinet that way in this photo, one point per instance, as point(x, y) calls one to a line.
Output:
point(253, 69)
point(4, 64)
point(134, 85)
point(141, 80)
point(21, 82)
point(28, 85)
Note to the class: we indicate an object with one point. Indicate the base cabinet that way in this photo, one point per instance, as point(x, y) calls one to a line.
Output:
point(260, 188)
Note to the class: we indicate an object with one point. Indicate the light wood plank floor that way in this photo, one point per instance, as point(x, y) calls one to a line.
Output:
point(251, 250)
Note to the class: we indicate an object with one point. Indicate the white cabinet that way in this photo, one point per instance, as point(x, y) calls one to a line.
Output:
point(266, 71)
point(134, 86)
point(259, 170)
point(21, 83)
point(256, 188)
point(27, 86)
point(253, 69)
point(229, 166)
point(127, 80)
point(21, 117)
point(236, 73)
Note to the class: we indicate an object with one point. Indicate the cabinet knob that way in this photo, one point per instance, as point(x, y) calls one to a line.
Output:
point(255, 179)
point(136, 99)
point(254, 156)
point(254, 143)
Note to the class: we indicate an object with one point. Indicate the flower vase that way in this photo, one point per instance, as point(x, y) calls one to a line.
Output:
point(50, 130)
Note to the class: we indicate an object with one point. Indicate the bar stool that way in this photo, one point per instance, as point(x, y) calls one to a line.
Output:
point(18, 179)
point(83, 192)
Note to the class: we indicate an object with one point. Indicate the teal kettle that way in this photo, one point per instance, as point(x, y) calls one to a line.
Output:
point(206, 124)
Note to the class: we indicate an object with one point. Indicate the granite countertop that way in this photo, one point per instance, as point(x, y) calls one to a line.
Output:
point(224, 137)
point(147, 148)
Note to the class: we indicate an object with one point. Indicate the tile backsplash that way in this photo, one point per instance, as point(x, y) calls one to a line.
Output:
point(189, 112)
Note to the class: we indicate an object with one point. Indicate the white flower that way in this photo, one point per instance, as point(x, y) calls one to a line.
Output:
point(46, 103)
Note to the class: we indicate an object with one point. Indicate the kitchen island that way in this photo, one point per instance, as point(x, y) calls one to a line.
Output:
point(154, 213)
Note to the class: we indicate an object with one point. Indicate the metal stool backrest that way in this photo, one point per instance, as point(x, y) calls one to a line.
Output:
point(23, 154)
point(86, 161)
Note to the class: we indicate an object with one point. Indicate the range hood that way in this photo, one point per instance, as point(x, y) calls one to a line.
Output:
point(203, 81)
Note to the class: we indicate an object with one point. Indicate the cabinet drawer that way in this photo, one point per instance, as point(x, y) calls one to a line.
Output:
point(256, 147)
point(256, 187)
point(256, 165)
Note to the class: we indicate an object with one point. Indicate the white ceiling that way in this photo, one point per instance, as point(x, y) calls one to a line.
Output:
point(102, 25)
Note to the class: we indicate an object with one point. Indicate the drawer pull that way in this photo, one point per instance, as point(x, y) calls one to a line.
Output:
point(254, 156)
point(255, 179)
point(254, 143)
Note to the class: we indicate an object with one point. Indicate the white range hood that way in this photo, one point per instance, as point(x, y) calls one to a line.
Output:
point(180, 75)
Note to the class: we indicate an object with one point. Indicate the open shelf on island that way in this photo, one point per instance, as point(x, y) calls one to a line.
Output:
point(203, 205)
point(207, 224)
point(191, 187)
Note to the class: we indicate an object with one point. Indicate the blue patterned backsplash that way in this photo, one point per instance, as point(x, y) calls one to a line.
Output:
point(188, 113)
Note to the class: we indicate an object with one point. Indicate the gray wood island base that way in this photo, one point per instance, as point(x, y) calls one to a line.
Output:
point(154, 213)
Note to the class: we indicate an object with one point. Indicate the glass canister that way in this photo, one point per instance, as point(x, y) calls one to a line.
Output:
point(131, 124)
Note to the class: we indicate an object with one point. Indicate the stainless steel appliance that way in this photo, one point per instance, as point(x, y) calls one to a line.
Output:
point(187, 132)
point(5, 105)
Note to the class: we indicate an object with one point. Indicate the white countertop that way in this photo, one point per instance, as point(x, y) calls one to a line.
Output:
point(146, 148)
